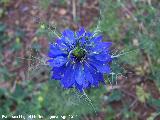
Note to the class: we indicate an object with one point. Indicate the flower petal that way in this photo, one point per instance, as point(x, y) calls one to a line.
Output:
point(67, 81)
point(89, 34)
point(55, 51)
point(81, 32)
point(79, 74)
point(103, 57)
point(68, 36)
point(97, 39)
point(92, 72)
point(79, 87)
point(58, 61)
point(61, 44)
point(88, 75)
point(100, 66)
point(101, 47)
point(58, 72)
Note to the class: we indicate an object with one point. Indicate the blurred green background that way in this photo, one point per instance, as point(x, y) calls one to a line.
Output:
point(133, 90)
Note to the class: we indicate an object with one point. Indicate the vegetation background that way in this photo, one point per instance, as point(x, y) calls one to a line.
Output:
point(133, 90)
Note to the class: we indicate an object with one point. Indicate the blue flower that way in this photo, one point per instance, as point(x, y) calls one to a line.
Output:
point(79, 59)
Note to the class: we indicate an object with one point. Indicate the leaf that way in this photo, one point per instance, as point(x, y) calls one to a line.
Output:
point(2, 27)
point(154, 102)
point(131, 57)
point(141, 94)
point(109, 23)
point(153, 116)
point(115, 96)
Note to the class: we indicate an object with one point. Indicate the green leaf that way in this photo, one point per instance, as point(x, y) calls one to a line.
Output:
point(141, 94)
point(154, 102)
point(153, 116)
point(115, 96)
point(2, 27)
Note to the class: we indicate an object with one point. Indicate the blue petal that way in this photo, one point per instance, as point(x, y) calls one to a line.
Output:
point(81, 32)
point(58, 61)
point(99, 77)
point(61, 44)
point(67, 43)
point(79, 87)
point(100, 66)
point(82, 41)
point(68, 33)
point(102, 57)
point(58, 72)
point(89, 34)
point(86, 84)
point(92, 71)
point(68, 36)
point(68, 80)
point(97, 39)
point(55, 51)
point(79, 74)
point(102, 46)
point(88, 75)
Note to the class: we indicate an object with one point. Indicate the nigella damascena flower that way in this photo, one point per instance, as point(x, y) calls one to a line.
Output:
point(79, 59)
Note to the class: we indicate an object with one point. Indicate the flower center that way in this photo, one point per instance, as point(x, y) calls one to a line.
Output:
point(79, 53)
